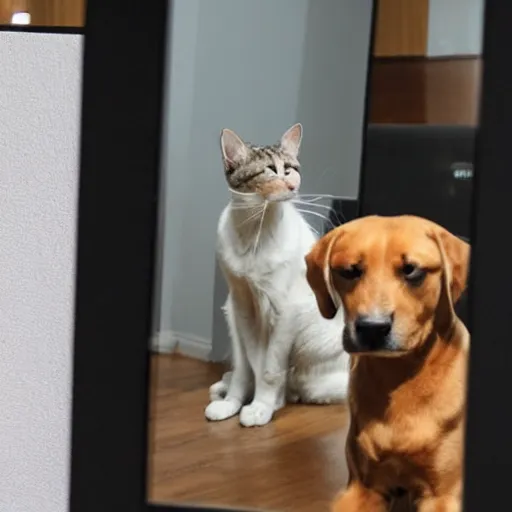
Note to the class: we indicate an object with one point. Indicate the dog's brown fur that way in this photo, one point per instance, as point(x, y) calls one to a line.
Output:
point(407, 411)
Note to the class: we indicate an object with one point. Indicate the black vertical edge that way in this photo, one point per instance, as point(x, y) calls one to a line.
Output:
point(35, 29)
point(488, 456)
point(367, 107)
point(123, 65)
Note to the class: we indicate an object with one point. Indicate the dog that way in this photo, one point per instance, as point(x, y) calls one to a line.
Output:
point(397, 279)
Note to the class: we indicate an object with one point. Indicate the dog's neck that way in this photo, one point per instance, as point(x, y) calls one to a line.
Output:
point(427, 363)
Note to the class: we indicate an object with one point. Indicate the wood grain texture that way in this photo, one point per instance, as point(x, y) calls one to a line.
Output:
point(401, 28)
point(425, 91)
point(453, 91)
point(296, 463)
point(5, 12)
point(58, 13)
point(49, 13)
point(397, 92)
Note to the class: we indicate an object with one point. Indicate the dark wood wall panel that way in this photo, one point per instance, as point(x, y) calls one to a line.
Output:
point(425, 91)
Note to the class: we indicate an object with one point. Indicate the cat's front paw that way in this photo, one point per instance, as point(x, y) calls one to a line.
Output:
point(280, 402)
point(256, 414)
point(219, 410)
point(218, 391)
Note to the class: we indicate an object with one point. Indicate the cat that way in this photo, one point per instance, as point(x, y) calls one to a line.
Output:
point(282, 348)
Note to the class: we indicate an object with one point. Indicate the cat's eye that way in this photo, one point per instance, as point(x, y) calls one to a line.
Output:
point(413, 274)
point(351, 273)
point(289, 167)
point(272, 167)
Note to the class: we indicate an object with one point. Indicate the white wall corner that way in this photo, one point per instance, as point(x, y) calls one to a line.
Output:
point(192, 346)
point(169, 342)
point(163, 342)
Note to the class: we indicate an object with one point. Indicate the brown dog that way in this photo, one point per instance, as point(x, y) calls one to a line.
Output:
point(397, 279)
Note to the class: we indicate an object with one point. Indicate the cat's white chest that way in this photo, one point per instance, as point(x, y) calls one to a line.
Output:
point(258, 267)
point(261, 258)
point(263, 276)
point(262, 269)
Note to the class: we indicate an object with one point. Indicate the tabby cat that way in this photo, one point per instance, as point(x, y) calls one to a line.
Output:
point(282, 347)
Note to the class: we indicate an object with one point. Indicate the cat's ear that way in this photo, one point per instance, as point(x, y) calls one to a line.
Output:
point(234, 150)
point(291, 140)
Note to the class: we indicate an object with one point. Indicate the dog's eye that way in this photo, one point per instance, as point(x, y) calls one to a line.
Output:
point(350, 273)
point(413, 274)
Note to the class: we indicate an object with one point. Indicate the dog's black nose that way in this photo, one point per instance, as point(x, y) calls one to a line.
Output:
point(372, 332)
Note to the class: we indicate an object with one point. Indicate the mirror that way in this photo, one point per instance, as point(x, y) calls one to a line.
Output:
point(424, 101)
point(263, 134)
point(43, 13)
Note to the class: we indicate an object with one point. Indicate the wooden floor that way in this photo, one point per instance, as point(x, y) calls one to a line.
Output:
point(295, 463)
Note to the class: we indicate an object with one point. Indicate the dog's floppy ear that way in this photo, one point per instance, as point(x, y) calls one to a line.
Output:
point(457, 253)
point(318, 273)
point(455, 262)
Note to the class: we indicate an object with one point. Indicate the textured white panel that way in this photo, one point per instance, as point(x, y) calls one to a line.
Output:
point(40, 99)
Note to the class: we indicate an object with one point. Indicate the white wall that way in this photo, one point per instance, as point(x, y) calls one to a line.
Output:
point(455, 27)
point(255, 67)
point(39, 110)
point(332, 94)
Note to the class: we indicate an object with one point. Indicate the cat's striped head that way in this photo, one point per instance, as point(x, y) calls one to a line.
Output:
point(271, 172)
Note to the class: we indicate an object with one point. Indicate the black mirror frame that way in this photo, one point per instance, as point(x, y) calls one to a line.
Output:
point(125, 43)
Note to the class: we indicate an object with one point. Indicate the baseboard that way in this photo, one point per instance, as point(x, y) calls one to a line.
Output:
point(169, 342)
point(163, 342)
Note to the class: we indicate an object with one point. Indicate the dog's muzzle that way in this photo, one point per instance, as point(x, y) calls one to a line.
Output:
point(370, 334)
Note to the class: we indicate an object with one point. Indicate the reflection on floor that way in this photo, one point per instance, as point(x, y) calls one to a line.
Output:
point(295, 463)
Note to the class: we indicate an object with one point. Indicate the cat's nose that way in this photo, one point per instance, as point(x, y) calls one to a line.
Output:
point(291, 187)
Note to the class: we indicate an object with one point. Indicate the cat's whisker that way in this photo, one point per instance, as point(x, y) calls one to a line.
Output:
point(242, 194)
point(260, 227)
point(257, 213)
point(328, 208)
point(305, 203)
point(246, 207)
point(327, 196)
point(300, 208)
point(317, 215)
point(253, 216)
point(313, 200)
